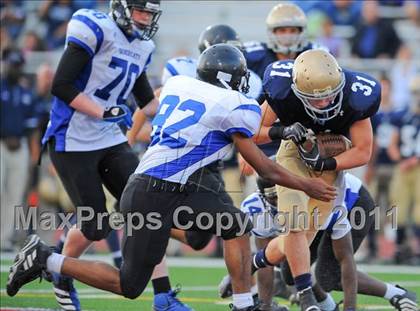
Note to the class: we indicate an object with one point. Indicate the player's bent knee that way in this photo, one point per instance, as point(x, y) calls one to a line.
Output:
point(198, 240)
point(238, 229)
point(131, 286)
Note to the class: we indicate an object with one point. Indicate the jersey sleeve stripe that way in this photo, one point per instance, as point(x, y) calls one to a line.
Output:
point(81, 44)
point(94, 27)
point(171, 69)
point(241, 130)
point(254, 108)
point(211, 143)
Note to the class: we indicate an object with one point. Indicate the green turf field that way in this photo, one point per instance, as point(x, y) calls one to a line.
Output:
point(199, 291)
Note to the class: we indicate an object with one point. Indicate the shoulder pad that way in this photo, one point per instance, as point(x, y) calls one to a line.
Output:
point(88, 29)
point(278, 79)
point(254, 51)
point(364, 92)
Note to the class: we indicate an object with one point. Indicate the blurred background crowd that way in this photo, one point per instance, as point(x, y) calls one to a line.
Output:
point(378, 37)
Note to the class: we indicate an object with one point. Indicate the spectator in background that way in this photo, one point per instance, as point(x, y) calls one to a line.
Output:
point(4, 39)
point(32, 42)
point(342, 12)
point(375, 36)
point(56, 13)
point(405, 195)
point(380, 168)
point(327, 38)
point(402, 72)
point(12, 17)
point(18, 120)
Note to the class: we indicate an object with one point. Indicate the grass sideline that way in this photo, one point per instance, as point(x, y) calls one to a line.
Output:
point(199, 291)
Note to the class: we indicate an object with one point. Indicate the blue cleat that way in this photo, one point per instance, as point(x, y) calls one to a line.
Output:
point(65, 293)
point(169, 302)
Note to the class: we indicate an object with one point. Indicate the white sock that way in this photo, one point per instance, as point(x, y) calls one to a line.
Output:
point(55, 262)
point(254, 289)
point(392, 290)
point(328, 304)
point(243, 300)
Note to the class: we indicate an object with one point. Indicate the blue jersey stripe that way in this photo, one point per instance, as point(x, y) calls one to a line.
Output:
point(245, 203)
point(81, 44)
point(171, 69)
point(349, 199)
point(94, 27)
point(254, 108)
point(211, 143)
point(242, 130)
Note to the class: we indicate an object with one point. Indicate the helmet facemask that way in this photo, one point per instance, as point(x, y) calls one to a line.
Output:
point(321, 115)
point(286, 43)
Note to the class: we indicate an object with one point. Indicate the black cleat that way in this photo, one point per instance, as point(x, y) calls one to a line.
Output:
point(405, 302)
point(29, 264)
point(307, 300)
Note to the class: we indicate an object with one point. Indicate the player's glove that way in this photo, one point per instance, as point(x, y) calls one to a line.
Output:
point(118, 114)
point(314, 160)
point(296, 132)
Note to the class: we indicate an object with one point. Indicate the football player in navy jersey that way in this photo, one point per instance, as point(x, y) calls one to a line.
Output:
point(105, 59)
point(286, 29)
point(313, 92)
point(404, 149)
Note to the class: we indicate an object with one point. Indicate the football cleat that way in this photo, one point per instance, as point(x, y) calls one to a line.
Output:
point(28, 265)
point(225, 287)
point(65, 293)
point(405, 302)
point(307, 300)
point(169, 302)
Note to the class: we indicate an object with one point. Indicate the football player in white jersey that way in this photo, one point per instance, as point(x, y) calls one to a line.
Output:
point(331, 251)
point(198, 122)
point(105, 59)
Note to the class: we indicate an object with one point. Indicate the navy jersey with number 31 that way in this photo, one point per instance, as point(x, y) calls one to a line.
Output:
point(361, 99)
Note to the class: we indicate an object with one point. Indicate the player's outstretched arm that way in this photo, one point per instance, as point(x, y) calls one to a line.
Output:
point(362, 140)
point(343, 251)
point(266, 168)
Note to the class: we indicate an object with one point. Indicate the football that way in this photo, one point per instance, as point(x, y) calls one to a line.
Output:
point(329, 144)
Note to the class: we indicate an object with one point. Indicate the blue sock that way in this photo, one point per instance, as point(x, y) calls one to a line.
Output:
point(303, 281)
point(259, 260)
